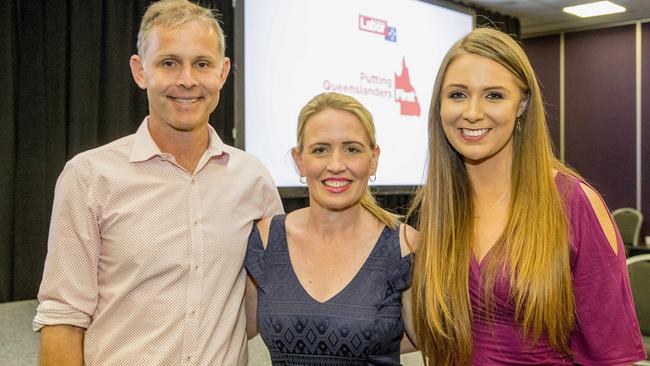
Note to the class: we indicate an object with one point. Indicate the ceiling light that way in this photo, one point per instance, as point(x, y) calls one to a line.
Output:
point(594, 9)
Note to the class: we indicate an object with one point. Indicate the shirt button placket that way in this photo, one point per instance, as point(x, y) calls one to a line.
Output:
point(194, 291)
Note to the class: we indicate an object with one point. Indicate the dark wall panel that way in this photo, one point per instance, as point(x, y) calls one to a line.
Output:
point(645, 128)
point(600, 110)
point(544, 55)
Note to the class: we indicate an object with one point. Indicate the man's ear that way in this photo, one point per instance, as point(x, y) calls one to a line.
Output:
point(297, 160)
point(137, 70)
point(522, 105)
point(225, 70)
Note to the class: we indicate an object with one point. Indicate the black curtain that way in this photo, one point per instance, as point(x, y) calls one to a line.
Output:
point(66, 87)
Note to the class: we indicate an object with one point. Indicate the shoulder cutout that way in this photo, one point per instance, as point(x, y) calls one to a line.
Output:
point(408, 239)
point(605, 220)
point(263, 226)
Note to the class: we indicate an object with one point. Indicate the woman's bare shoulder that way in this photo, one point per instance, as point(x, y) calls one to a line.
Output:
point(408, 238)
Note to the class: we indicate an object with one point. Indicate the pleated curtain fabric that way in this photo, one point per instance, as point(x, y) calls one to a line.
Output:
point(65, 87)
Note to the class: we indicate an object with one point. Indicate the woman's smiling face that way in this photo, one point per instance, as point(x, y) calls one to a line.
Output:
point(480, 102)
point(337, 159)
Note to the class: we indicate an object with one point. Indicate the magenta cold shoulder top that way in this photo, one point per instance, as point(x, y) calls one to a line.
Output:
point(607, 331)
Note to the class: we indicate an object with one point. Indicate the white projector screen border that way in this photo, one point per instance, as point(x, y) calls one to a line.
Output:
point(386, 56)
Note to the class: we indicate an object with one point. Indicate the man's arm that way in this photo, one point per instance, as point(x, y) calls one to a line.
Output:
point(62, 345)
point(68, 293)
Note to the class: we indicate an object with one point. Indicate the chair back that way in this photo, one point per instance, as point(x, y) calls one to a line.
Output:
point(629, 221)
point(638, 268)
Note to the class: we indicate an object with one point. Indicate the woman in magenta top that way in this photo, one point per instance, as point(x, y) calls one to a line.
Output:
point(519, 262)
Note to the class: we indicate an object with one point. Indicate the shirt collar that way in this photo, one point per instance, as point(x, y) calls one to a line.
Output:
point(145, 148)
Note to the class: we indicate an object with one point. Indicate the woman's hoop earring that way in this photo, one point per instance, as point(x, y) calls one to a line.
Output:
point(518, 125)
point(372, 178)
point(302, 180)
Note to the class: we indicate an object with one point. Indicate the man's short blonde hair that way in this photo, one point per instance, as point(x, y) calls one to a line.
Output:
point(172, 13)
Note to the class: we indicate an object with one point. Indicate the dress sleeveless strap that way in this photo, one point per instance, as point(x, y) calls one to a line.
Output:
point(277, 238)
point(254, 259)
point(254, 262)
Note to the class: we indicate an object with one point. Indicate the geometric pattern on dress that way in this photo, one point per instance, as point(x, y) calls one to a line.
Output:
point(360, 325)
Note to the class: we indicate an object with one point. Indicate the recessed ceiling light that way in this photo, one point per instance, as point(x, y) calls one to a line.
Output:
point(594, 9)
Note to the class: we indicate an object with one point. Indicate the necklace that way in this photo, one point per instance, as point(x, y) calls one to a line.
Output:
point(494, 204)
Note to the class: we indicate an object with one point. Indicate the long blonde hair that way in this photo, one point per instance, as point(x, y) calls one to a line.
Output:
point(533, 248)
point(346, 103)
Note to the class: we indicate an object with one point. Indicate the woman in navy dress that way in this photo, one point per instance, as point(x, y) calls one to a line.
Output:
point(326, 281)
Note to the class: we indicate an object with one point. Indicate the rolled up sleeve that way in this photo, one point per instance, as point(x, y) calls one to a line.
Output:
point(69, 291)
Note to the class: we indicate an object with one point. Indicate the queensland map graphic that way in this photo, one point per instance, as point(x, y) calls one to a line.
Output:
point(405, 93)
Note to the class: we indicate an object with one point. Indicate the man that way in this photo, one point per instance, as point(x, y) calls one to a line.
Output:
point(148, 233)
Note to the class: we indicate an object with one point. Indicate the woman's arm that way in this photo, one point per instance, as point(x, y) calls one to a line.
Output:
point(602, 213)
point(251, 307)
point(263, 227)
point(408, 343)
point(607, 332)
point(409, 244)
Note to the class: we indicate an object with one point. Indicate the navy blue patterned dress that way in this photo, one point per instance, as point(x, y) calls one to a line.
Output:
point(361, 325)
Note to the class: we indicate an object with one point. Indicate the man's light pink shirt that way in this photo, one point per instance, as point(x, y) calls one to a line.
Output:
point(148, 257)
